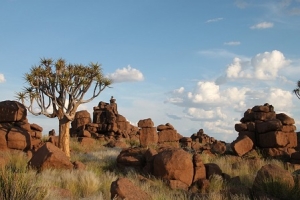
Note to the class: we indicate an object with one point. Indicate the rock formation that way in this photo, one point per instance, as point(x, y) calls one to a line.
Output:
point(107, 125)
point(274, 134)
point(15, 130)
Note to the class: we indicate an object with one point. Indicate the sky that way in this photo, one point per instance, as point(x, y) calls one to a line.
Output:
point(194, 64)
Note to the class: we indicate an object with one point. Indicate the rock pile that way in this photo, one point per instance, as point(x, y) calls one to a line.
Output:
point(107, 125)
point(261, 127)
point(202, 143)
point(15, 130)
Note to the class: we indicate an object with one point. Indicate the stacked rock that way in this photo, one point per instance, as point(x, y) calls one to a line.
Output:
point(168, 136)
point(15, 130)
point(110, 123)
point(148, 134)
point(107, 124)
point(261, 127)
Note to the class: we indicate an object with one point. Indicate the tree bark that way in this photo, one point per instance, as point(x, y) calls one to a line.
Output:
point(64, 135)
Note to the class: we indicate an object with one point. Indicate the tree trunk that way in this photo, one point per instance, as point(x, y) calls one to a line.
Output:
point(64, 135)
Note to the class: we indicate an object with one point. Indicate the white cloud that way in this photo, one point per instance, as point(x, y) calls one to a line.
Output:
point(214, 20)
point(262, 25)
point(217, 53)
point(237, 70)
point(217, 108)
point(263, 66)
point(232, 43)
point(267, 64)
point(205, 92)
point(126, 74)
point(281, 99)
point(2, 78)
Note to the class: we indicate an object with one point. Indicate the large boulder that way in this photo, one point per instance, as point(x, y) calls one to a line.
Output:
point(242, 145)
point(145, 123)
point(271, 175)
point(131, 158)
point(174, 164)
point(81, 118)
point(277, 139)
point(19, 139)
point(199, 168)
point(50, 156)
point(12, 111)
point(148, 136)
point(123, 188)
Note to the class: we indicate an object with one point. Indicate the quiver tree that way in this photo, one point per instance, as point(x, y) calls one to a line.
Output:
point(57, 88)
point(297, 90)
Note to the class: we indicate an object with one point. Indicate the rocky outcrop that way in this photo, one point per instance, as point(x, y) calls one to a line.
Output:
point(15, 130)
point(274, 134)
point(203, 143)
point(107, 125)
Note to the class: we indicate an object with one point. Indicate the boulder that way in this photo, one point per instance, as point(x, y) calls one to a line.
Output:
point(218, 147)
point(168, 135)
point(148, 136)
point(81, 118)
point(12, 111)
point(50, 156)
point(242, 145)
point(285, 119)
point(36, 127)
point(199, 168)
point(146, 123)
point(164, 127)
point(131, 158)
point(19, 139)
point(123, 188)
point(174, 164)
point(211, 169)
point(272, 174)
point(277, 139)
point(267, 126)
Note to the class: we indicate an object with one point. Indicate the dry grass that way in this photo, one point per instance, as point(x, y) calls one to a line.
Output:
point(94, 183)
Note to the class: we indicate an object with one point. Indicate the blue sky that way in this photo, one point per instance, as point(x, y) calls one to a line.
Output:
point(195, 64)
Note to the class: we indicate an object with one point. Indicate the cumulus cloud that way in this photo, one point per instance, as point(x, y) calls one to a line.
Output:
point(217, 107)
point(262, 25)
point(232, 43)
point(2, 78)
point(214, 20)
point(126, 74)
point(263, 66)
point(267, 64)
point(281, 98)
